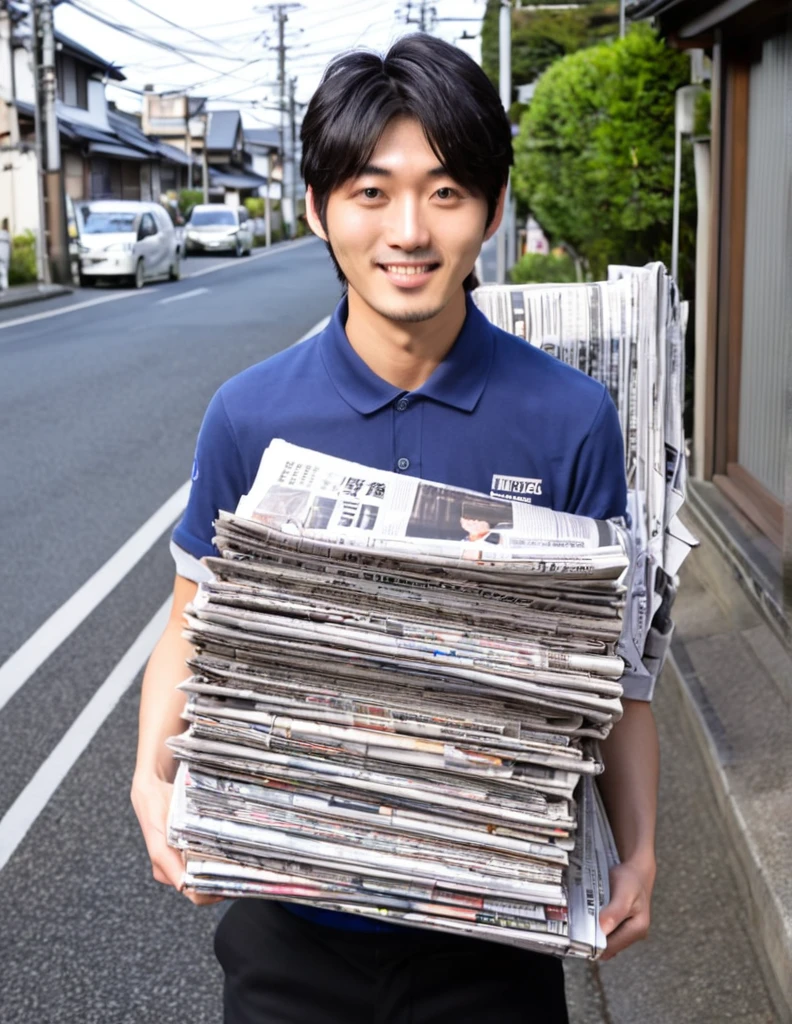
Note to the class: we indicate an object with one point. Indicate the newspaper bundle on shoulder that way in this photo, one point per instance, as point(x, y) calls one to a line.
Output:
point(629, 333)
point(391, 716)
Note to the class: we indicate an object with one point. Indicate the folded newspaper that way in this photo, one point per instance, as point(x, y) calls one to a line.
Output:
point(629, 333)
point(393, 717)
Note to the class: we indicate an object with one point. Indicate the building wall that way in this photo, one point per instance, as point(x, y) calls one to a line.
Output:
point(18, 191)
point(95, 115)
point(765, 359)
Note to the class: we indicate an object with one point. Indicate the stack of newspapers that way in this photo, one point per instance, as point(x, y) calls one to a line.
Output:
point(397, 692)
point(629, 333)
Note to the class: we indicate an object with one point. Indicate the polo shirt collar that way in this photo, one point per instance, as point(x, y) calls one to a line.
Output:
point(458, 381)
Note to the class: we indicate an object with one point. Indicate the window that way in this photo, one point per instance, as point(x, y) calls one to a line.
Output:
point(202, 218)
point(147, 226)
point(72, 82)
point(107, 222)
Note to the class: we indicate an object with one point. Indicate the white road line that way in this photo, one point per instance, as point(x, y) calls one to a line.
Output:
point(315, 329)
point(282, 247)
point(15, 672)
point(70, 309)
point(118, 297)
point(21, 815)
point(184, 295)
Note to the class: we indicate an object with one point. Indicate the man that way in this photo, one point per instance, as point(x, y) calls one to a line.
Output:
point(406, 160)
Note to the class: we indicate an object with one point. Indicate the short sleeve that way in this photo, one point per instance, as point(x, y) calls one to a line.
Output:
point(599, 485)
point(218, 482)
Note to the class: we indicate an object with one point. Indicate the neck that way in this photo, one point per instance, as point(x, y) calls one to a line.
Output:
point(403, 354)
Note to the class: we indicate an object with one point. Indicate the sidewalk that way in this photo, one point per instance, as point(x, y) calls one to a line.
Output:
point(698, 965)
point(22, 294)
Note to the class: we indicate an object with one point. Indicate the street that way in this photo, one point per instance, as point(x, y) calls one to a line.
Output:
point(102, 394)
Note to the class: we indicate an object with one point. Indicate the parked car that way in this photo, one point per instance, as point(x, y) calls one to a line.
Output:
point(217, 228)
point(128, 239)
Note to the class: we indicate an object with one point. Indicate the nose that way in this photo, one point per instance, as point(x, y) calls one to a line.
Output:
point(406, 226)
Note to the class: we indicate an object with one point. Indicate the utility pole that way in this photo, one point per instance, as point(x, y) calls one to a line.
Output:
point(506, 229)
point(52, 216)
point(425, 17)
point(280, 12)
point(293, 155)
point(205, 158)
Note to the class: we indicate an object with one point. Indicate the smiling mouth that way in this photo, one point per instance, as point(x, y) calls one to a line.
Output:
point(408, 269)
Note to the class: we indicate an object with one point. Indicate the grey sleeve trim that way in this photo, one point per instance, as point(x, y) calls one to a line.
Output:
point(189, 566)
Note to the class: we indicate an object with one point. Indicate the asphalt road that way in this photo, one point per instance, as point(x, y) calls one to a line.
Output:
point(99, 410)
point(101, 396)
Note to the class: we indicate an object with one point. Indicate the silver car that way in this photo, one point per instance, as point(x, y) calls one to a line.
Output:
point(131, 240)
point(216, 228)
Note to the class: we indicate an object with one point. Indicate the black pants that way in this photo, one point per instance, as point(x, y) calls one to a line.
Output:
point(282, 969)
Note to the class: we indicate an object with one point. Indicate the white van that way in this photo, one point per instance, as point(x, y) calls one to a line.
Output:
point(131, 240)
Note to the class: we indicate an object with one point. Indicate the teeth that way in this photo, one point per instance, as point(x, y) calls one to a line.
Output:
point(408, 271)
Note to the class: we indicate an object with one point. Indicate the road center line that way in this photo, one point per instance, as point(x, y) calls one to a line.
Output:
point(19, 818)
point(136, 293)
point(183, 295)
point(15, 672)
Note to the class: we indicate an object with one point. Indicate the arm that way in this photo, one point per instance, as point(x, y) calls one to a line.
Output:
point(629, 791)
point(161, 705)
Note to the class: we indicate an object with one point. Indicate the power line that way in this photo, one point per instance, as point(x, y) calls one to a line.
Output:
point(144, 38)
point(174, 24)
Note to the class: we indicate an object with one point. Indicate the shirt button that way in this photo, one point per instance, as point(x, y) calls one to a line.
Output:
point(403, 464)
point(402, 404)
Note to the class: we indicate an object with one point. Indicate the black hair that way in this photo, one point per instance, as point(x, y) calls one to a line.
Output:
point(422, 77)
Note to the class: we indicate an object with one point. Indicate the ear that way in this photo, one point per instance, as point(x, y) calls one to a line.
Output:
point(312, 215)
point(496, 220)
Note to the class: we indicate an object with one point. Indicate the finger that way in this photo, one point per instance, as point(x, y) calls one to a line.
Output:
point(632, 930)
point(617, 911)
point(201, 899)
point(167, 867)
point(623, 903)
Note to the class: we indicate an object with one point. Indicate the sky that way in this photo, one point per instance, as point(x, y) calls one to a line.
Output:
point(226, 50)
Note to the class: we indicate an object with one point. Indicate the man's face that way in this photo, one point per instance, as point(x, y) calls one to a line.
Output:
point(405, 234)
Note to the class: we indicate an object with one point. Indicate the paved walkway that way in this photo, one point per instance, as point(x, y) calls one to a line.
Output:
point(698, 965)
point(22, 294)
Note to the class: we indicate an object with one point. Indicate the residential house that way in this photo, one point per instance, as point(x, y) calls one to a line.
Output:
point(263, 145)
point(103, 153)
point(744, 353)
point(231, 175)
point(733, 643)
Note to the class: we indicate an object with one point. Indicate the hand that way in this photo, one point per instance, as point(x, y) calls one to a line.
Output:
point(626, 918)
point(151, 800)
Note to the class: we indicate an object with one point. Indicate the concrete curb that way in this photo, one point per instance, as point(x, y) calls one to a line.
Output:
point(9, 301)
point(767, 929)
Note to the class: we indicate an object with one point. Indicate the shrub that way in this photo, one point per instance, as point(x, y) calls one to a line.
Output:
point(23, 269)
point(543, 268)
point(188, 198)
point(595, 153)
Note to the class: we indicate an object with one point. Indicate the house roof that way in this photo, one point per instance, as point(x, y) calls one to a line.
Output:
point(691, 18)
point(223, 129)
point(268, 138)
point(124, 136)
point(75, 49)
point(232, 177)
point(130, 134)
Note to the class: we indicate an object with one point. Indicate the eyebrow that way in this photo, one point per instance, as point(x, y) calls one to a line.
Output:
point(382, 172)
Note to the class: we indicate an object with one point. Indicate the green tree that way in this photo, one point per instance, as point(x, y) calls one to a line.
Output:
point(540, 37)
point(594, 158)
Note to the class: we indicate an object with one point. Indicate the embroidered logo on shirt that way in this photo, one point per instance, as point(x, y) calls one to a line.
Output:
point(516, 488)
point(194, 474)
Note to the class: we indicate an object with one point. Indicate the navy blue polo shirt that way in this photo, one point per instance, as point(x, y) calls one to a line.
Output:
point(497, 416)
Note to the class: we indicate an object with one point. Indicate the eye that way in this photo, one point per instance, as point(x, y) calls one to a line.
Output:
point(371, 193)
point(446, 192)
